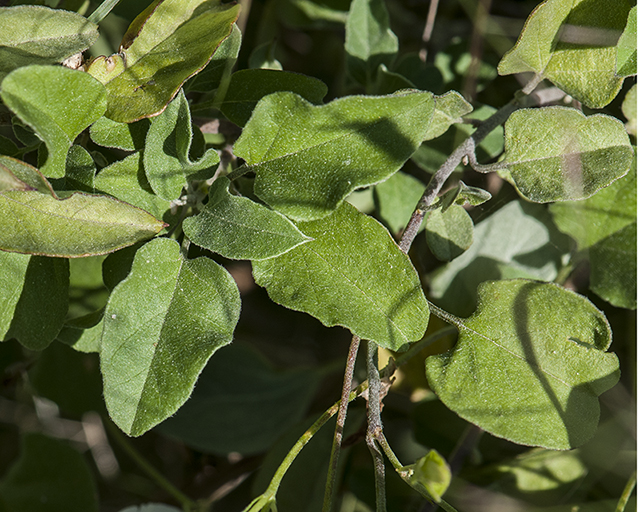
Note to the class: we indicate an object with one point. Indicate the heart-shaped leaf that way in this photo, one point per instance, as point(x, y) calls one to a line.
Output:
point(165, 45)
point(559, 154)
point(36, 221)
point(58, 103)
point(309, 158)
point(166, 155)
point(238, 228)
point(161, 326)
point(529, 365)
point(351, 274)
point(573, 44)
point(34, 34)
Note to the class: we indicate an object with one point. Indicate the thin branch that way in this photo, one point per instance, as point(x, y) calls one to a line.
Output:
point(329, 489)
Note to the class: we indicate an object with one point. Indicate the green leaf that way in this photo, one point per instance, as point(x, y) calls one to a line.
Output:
point(519, 240)
point(594, 219)
point(352, 274)
point(220, 66)
point(58, 103)
point(559, 154)
point(49, 475)
point(126, 136)
point(151, 507)
point(80, 170)
point(165, 45)
point(246, 402)
point(248, 86)
point(614, 267)
point(627, 54)
point(77, 225)
point(161, 325)
point(263, 57)
point(238, 228)
point(630, 110)
point(39, 35)
point(529, 365)
point(449, 232)
point(34, 296)
point(369, 40)
point(309, 158)
point(396, 198)
point(432, 473)
point(449, 109)
point(83, 334)
point(166, 155)
point(463, 194)
point(126, 180)
point(573, 44)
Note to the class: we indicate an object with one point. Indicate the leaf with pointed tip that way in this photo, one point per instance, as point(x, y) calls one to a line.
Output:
point(166, 45)
point(573, 44)
point(369, 40)
point(33, 298)
point(248, 86)
point(38, 222)
point(238, 228)
point(31, 34)
point(559, 154)
point(309, 158)
point(462, 195)
point(627, 54)
point(351, 274)
point(161, 326)
point(58, 103)
point(166, 155)
point(449, 232)
point(449, 109)
point(529, 365)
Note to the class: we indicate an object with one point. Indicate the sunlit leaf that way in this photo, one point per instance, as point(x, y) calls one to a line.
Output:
point(630, 110)
point(309, 158)
point(351, 274)
point(161, 325)
point(165, 45)
point(449, 109)
point(559, 154)
point(627, 55)
point(238, 228)
point(58, 103)
point(573, 44)
point(34, 34)
point(127, 136)
point(166, 155)
point(529, 365)
point(432, 473)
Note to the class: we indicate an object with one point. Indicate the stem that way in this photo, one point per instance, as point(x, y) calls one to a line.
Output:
point(186, 502)
point(626, 493)
point(374, 424)
point(102, 11)
point(332, 474)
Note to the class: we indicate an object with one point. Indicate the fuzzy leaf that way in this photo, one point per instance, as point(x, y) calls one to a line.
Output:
point(58, 103)
point(248, 86)
point(559, 154)
point(309, 158)
point(449, 232)
point(529, 365)
point(238, 228)
point(449, 109)
point(161, 325)
point(369, 40)
point(351, 274)
point(31, 34)
point(165, 45)
point(630, 110)
point(627, 54)
point(573, 44)
point(166, 155)
point(126, 136)
point(34, 296)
